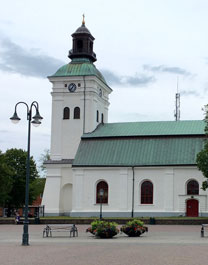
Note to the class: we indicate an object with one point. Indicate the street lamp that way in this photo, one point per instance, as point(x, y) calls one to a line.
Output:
point(101, 193)
point(36, 122)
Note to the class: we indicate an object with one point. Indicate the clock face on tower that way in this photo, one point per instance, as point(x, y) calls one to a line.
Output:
point(72, 87)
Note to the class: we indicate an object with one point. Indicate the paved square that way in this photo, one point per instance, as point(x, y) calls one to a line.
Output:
point(162, 245)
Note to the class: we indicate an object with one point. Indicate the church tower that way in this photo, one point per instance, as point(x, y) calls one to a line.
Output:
point(80, 97)
point(80, 100)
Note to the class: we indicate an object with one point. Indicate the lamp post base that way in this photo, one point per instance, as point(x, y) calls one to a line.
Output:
point(25, 235)
point(25, 240)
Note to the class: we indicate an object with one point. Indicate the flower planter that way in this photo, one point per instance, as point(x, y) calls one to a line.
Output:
point(89, 229)
point(134, 228)
point(108, 233)
point(133, 231)
point(102, 229)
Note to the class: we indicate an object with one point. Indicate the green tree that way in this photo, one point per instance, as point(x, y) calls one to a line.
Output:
point(202, 157)
point(43, 158)
point(16, 160)
point(38, 187)
point(5, 180)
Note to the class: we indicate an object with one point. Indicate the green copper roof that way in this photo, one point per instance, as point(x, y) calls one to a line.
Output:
point(141, 144)
point(138, 151)
point(79, 67)
point(155, 128)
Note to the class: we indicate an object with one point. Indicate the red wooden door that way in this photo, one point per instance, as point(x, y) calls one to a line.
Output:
point(192, 208)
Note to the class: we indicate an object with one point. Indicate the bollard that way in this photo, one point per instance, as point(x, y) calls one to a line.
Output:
point(202, 231)
point(152, 221)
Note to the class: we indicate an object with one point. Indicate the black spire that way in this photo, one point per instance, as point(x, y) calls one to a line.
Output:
point(82, 44)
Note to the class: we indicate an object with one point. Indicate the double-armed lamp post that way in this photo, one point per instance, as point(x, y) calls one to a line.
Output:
point(101, 193)
point(36, 121)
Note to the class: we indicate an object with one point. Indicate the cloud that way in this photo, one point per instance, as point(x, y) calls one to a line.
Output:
point(47, 135)
point(137, 80)
point(166, 69)
point(110, 77)
point(6, 22)
point(15, 59)
point(4, 131)
point(206, 89)
point(134, 116)
point(189, 93)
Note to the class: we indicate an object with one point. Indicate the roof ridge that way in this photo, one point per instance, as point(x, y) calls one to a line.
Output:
point(162, 128)
point(127, 122)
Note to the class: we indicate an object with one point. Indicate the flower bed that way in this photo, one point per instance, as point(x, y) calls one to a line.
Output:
point(134, 228)
point(103, 229)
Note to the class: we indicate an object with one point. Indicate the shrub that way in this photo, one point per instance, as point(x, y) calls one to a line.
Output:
point(135, 222)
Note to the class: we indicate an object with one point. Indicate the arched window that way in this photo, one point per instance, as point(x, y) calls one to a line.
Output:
point(77, 113)
point(102, 118)
point(102, 185)
point(147, 192)
point(97, 116)
point(192, 187)
point(66, 114)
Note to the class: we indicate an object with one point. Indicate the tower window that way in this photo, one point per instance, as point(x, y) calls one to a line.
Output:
point(97, 116)
point(66, 114)
point(102, 118)
point(147, 192)
point(77, 113)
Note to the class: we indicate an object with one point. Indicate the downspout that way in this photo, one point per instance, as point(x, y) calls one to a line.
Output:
point(132, 212)
point(84, 104)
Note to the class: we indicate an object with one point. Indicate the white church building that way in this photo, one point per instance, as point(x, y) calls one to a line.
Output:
point(143, 168)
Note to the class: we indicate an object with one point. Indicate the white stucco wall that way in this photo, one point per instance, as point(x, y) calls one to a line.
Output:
point(57, 196)
point(51, 195)
point(169, 191)
point(66, 134)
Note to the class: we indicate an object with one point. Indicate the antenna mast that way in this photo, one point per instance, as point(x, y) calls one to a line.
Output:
point(177, 105)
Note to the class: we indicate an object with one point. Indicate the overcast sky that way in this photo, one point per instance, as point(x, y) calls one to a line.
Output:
point(142, 47)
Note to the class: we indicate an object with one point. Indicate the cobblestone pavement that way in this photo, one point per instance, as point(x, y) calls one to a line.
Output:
point(162, 245)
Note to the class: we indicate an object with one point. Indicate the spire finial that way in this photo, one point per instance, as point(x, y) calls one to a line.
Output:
point(83, 20)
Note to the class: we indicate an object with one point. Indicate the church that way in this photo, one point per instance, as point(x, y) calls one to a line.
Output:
point(133, 168)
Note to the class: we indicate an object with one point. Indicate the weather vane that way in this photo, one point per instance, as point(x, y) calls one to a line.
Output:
point(83, 20)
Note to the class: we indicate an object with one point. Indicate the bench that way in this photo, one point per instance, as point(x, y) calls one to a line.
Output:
point(17, 220)
point(203, 228)
point(30, 220)
point(49, 229)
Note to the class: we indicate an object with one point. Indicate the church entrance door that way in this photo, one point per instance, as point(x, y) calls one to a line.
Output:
point(192, 208)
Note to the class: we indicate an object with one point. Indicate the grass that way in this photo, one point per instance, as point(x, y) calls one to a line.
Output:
point(124, 218)
point(109, 218)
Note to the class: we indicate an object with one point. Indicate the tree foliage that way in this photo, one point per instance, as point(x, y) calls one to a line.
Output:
point(5, 180)
point(16, 160)
point(43, 158)
point(38, 187)
point(202, 157)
